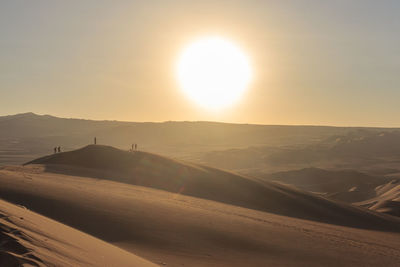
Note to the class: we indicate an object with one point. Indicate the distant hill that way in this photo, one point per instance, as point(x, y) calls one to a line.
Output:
point(28, 135)
point(373, 151)
point(150, 170)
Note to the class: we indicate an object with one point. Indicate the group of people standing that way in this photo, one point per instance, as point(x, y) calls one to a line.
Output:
point(134, 147)
point(57, 149)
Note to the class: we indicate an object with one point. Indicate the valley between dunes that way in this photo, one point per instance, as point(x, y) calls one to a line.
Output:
point(177, 214)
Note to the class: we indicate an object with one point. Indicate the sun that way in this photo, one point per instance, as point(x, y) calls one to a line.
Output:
point(214, 72)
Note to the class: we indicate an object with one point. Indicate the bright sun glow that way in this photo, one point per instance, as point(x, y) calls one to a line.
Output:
point(214, 72)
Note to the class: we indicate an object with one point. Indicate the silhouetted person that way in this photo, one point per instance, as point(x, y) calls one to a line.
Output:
point(59, 149)
point(95, 141)
point(55, 150)
point(135, 146)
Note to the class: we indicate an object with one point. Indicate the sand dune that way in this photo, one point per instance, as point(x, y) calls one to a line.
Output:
point(381, 194)
point(387, 199)
point(345, 185)
point(150, 170)
point(29, 239)
point(173, 229)
point(178, 230)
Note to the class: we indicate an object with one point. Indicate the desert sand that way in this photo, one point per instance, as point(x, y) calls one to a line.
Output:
point(377, 193)
point(346, 185)
point(387, 199)
point(173, 229)
point(29, 239)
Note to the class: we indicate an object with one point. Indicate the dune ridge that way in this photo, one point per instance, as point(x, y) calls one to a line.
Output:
point(177, 230)
point(381, 194)
point(387, 199)
point(181, 214)
point(344, 185)
point(150, 170)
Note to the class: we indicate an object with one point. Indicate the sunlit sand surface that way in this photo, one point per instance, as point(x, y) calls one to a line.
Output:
point(171, 228)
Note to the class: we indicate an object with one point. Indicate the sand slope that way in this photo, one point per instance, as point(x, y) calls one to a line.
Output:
point(179, 230)
point(154, 171)
point(345, 185)
point(29, 239)
point(387, 199)
point(381, 194)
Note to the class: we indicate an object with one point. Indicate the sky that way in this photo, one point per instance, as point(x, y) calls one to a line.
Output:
point(314, 62)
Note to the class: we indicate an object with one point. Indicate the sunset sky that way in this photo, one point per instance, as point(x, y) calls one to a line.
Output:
point(313, 62)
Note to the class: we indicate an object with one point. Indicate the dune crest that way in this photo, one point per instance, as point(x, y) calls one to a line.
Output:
point(150, 170)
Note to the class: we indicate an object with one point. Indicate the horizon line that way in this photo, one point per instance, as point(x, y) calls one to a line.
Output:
point(202, 121)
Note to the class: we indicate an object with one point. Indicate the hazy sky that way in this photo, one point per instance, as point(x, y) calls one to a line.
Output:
point(314, 62)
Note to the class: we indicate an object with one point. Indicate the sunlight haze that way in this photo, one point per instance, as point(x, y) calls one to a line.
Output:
point(199, 133)
point(334, 64)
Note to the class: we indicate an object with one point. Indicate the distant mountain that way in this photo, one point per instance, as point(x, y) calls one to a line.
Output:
point(25, 136)
point(358, 144)
point(371, 150)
